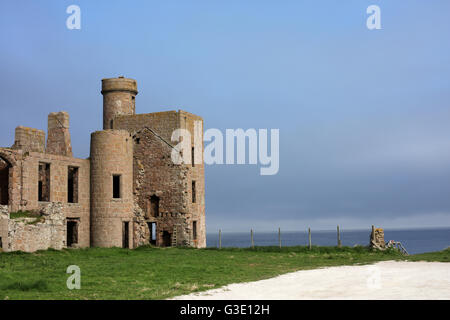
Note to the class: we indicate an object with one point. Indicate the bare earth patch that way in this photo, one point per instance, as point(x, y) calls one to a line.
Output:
point(382, 280)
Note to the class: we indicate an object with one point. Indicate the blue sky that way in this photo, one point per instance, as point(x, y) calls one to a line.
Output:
point(363, 115)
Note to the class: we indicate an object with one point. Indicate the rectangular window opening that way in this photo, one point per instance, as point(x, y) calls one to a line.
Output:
point(193, 157)
point(72, 185)
point(116, 186)
point(194, 196)
point(44, 182)
point(194, 230)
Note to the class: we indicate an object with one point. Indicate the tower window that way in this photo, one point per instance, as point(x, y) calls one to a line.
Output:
point(194, 230)
point(194, 196)
point(193, 157)
point(116, 186)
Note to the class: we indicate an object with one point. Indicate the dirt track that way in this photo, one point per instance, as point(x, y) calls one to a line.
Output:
point(383, 280)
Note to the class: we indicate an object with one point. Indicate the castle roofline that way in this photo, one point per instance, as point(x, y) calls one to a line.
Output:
point(161, 112)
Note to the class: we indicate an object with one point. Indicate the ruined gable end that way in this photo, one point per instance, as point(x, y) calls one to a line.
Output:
point(58, 141)
point(29, 140)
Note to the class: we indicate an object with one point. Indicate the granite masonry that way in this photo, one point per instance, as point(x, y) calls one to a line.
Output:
point(128, 193)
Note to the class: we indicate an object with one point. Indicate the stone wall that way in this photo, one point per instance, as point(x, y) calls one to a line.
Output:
point(155, 175)
point(24, 186)
point(195, 172)
point(377, 238)
point(4, 223)
point(59, 176)
point(29, 139)
point(28, 235)
point(111, 155)
point(58, 141)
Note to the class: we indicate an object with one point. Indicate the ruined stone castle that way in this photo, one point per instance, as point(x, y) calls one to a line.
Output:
point(128, 193)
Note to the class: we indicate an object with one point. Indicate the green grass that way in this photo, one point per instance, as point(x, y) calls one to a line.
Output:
point(158, 273)
point(22, 214)
point(27, 214)
point(441, 256)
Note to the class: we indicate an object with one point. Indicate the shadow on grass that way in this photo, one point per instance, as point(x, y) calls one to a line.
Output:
point(39, 285)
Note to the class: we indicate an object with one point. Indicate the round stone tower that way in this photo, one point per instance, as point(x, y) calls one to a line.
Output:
point(111, 189)
point(118, 99)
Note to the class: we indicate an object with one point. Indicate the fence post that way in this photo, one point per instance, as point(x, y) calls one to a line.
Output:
point(338, 237)
point(220, 239)
point(251, 233)
point(279, 237)
point(309, 238)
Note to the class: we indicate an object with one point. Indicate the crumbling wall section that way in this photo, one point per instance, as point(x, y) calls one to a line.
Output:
point(58, 141)
point(377, 238)
point(48, 230)
point(59, 176)
point(29, 140)
point(155, 175)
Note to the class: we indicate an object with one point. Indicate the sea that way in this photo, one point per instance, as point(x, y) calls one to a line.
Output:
point(414, 240)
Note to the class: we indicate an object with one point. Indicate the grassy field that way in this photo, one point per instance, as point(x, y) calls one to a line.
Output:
point(158, 273)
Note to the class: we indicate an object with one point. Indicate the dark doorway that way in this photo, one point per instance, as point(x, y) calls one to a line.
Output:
point(4, 182)
point(152, 232)
point(125, 236)
point(72, 232)
point(167, 239)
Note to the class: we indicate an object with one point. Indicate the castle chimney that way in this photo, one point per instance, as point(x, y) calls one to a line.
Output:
point(58, 141)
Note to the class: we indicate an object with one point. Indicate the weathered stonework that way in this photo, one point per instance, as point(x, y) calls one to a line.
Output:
point(377, 238)
point(27, 235)
point(58, 141)
point(128, 193)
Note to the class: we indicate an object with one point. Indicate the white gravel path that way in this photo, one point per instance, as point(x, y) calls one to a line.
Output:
point(383, 280)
